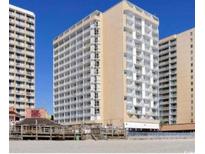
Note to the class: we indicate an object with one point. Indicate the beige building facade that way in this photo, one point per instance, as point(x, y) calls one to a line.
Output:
point(176, 78)
point(21, 59)
point(106, 69)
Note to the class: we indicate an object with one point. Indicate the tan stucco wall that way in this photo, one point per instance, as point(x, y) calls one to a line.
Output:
point(178, 127)
point(113, 65)
point(184, 77)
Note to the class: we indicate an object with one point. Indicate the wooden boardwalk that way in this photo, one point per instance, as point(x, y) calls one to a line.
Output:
point(31, 132)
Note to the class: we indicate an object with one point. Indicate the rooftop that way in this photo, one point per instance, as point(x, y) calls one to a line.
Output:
point(21, 9)
point(38, 121)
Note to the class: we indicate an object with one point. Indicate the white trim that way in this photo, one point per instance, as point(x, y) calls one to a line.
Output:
point(21, 9)
point(141, 125)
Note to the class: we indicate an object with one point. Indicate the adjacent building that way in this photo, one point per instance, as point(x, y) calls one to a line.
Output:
point(106, 69)
point(176, 78)
point(21, 59)
point(36, 113)
point(13, 116)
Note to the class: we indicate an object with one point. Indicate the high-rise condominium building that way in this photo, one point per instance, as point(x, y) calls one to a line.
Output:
point(106, 69)
point(21, 59)
point(176, 78)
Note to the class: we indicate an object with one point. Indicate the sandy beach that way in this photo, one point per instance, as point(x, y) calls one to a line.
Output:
point(105, 146)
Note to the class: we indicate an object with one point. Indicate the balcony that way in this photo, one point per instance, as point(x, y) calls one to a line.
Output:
point(11, 85)
point(21, 24)
point(19, 72)
point(20, 92)
point(155, 114)
point(173, 78)
point(164, 91)
point(173, 112)
point(21, 17)
point(162, 47)
point(30, 40)
point(128, 29)
point(164, 85)
point(173, 49)
point(172, 43)
point(20, 30)
point(155, 92)
point(164, 109)
point(163, 52)
point(20, 58)
point(164, 58)
point(31, 27)
point(164, 114)
point(139, 63)
point(129, 23)
point(30, 93)
point(30, 74)
point(30, 54)
point(163, 74)
point(11, 41)
point(165, 102)
point(155, 50)
point(30, 47)
point(11, 35)
point(173, 102)
point(138, 30)
point(20, 38)
point(30, 60)
point(20, 99)
point(138, 40)
point(173, 107)
point(30, 20)
point(11, 14)
point(30, 33)
point(147, 30)
point(172, 66)
point(11, 28)
point(138, 23)
point(139, 112)
point(172, 119)
point(11, 77)
point(139, 95)
point(20, 44)
point(30, 67)
point(17, 78)
point(173, 90)
point(163, 63)
point(11, 63)
point(20, 65)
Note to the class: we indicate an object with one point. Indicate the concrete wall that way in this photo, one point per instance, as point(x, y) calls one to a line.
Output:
point(184, 77)
point(178, 127)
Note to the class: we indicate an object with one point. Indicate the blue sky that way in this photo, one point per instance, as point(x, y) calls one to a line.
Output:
point(55, 16)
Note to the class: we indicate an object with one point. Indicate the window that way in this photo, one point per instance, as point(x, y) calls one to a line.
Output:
point(191, 52)
point(191, 33)
point(191, 45)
